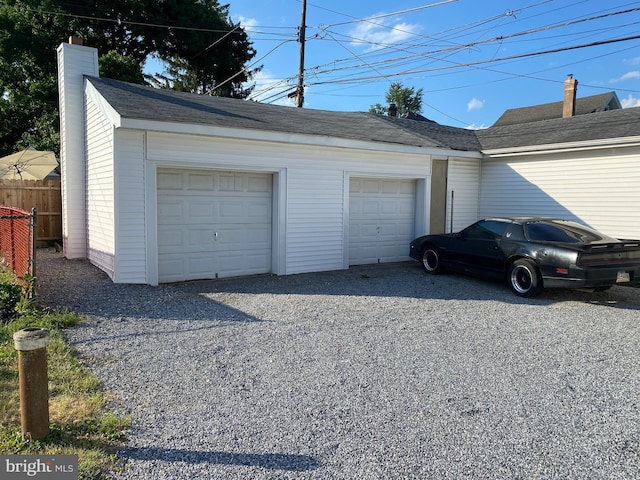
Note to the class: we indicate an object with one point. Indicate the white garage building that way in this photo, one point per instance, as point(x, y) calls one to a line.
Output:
point(161, 186)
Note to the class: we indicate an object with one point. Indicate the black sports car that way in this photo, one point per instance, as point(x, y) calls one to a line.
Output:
point(532, 254)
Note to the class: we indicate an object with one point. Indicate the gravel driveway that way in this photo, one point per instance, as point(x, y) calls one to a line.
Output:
point(378, 372)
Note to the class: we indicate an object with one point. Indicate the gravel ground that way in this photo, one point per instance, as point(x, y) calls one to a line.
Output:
point(378, 372)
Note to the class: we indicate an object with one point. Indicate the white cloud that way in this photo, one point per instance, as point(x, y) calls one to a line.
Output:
point(632, 61)
point(627, 76)
point(247, 23)
point(473, 126)
point(630, 101)
point(381, 33)
point(474, 104)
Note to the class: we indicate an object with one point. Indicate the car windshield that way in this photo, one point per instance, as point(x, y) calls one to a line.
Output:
point(564, 232)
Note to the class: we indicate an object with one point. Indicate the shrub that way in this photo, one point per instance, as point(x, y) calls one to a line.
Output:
point(10, 296)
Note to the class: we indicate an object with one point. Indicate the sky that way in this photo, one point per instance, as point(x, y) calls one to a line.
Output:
point(473, 59)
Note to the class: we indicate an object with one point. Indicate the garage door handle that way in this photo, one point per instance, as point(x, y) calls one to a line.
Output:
point(215, 235)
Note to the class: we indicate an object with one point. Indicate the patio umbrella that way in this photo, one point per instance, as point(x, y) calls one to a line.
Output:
point(29, 164)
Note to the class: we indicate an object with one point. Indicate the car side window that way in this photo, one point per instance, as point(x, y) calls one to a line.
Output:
point(514, 232)
point(485, 230)
point(544, 232)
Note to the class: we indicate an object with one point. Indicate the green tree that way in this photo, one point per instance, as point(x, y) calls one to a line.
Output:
point(406, 99)
point(196, 39)
point(114, 65)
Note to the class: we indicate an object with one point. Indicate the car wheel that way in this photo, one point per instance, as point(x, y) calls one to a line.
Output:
point(524, 278)
point(431, 260)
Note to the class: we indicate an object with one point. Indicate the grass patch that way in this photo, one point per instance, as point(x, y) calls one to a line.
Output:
point(79, 422)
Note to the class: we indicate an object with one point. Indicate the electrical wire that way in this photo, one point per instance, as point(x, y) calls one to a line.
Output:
point(480, 62)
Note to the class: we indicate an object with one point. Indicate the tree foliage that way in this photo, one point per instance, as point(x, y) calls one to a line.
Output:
point(196, 39)
point(407, 100)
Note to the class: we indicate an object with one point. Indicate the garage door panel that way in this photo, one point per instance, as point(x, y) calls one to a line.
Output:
point(201, 265)
point(258, 235)
point(381, 220)
point(199, 240)
point(259, 211)
point(170, 238)
point(170, 209)
point(370, 209)
point(261, 184)
point(231, 211)
point(211, 226)
point(169, 180)
point(229, 238)
point(200, 182)
point(200, 211)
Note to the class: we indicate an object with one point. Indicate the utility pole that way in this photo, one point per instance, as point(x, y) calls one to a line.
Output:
point(301, 35)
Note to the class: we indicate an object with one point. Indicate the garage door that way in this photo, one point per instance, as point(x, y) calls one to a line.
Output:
point(381, 220)
point(213, 224)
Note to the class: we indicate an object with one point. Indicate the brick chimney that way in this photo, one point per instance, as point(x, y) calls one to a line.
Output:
point(393, 111)
point(570, 90)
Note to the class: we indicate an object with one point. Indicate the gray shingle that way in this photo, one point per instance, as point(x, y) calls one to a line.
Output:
point(596, 126)
point(146, 103)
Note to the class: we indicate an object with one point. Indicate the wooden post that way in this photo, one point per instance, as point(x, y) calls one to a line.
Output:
point(31, 344)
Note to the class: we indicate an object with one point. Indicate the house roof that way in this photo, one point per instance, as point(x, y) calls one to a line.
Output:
point(581, 128)
point(548, 111)
point(443, 135)
point(146, 103)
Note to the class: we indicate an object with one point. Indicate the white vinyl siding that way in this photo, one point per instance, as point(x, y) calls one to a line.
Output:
point(100, 204)
point(463, 192)
point(73, 63)
point(130, 207)
point(599, 189)
point(315, 228)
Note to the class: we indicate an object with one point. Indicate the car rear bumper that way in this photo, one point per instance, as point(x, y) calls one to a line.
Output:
point(594, 277)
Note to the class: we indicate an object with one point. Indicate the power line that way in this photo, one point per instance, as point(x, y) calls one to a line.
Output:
point(480, 62)
point(158, 25)
point(400, 12)
point(474, 44)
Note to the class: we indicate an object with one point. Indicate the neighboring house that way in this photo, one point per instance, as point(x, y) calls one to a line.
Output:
point(550, 111)
point(602, 102)
point(584, 168)
point(162, 186)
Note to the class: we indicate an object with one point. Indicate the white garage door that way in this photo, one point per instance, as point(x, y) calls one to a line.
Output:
point(381, 220)
point(213, 224)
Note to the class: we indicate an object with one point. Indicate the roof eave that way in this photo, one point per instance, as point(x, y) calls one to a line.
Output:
point(563, 147)
point(288, 138)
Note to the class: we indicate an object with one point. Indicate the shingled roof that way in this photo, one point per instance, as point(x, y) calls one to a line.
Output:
point(140, 102)
point(548, 111)
point(597, 126)
point(146, 103)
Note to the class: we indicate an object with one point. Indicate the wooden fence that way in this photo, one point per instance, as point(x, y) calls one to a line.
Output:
point(42, 194)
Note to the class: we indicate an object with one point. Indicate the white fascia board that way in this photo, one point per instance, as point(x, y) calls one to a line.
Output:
point(291, 138)
point(564, 147)
point(104, 106)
